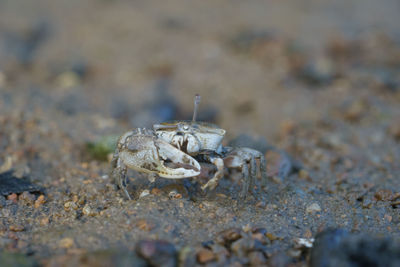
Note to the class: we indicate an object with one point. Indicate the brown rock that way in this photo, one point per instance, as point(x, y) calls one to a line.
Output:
point(384, 195)
point(66, 242)
point(156, 191)
point(228, 236)
point(44, 221)
point(13, 197)
point(39, 201)
point(17, 228)
point(205, 255)
point(145, 225)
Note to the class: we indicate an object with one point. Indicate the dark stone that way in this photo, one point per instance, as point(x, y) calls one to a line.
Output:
point(10, 184)
point(337, 247)
point(157, 252)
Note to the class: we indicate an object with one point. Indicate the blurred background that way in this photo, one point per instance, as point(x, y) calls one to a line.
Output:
point(118, 64)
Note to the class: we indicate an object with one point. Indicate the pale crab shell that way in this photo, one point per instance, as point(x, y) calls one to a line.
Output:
point(199, 136)
point(147, 154)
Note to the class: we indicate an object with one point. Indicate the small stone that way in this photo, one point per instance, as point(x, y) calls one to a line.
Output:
point(174, 194)
point(367, 203)
point(228, 236)
point(271, 236)
point(261, 204)
point(259, 236)
point(13, 197)
point(39, 201)
point(145, 225)
point(44, 221)
point(205, 255)
point(144, 193)
point(388, 217)
point(314, 207)
point(355, 111)
point(247, 228)
point(384, 195)
point(304, 242)
point(66, 242)
point(303, 174)
point(156, 191)
point(70, 205)
point(17, 228)
point(87, 210)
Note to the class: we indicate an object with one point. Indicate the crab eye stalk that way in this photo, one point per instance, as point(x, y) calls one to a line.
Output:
point(157, 127)
point(196, 106)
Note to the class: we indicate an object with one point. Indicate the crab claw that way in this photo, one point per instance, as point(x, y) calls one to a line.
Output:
point(146, 154)
point(185, 165)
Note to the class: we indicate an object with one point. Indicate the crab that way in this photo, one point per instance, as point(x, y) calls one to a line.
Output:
point(173, 150)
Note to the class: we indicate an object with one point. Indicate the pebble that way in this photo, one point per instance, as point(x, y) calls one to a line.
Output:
point(205, 255)
point(303, 174)
point(13, 197)
point(303, 242)
point(66, 242)
point(144, 193)
point(384, 195)
point(314, 207)
point(228, 236)
point(70, 205)
point(145, 225)
point(87, 210)
point(39, 201)
point(156, 191)
point(44, 221)
point(271, 236)
point(17, 228)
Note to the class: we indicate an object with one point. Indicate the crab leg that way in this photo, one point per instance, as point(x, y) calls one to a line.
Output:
point(219, 163)
point(263, 169)
point(246, 181)
point(119, 174)
point(253, 173)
